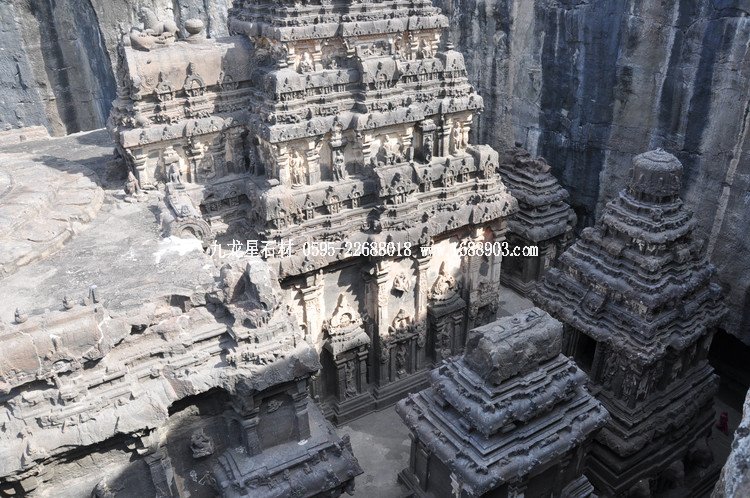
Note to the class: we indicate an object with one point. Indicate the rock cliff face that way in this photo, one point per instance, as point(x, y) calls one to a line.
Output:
point(588, 85)
point(585, 84)
point(59, 72)
point(734, 479)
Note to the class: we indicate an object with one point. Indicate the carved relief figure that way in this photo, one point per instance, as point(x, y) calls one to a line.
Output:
point(401, 283)
point(154, 32)
point(201, 444)
point(297, 168)
point(488, 168)
point(425, 50)
point(351, 384)
point(333, 202)
point(306, 63)
point(427, 147)
point(344, 315)
point(339, 165)
point(132, 187)
point(448, 178)
point(457, 139)
point(445, 285)
point(401, 323)
point(391, 150)
point(401, 359)
point(175, 175)
point(444, 340)
point(194, 84)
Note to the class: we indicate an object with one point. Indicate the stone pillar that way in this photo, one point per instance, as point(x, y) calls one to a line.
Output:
point(366, 147)
point(361, 359)
point(302, 423)
point(444, 136)
point(314, 304)
point(250, 432)
point(317, 55)
point(313, 164)
point(139, 165)
point(382, 291)
point(471, 271)
point(279, 162)
point(420, 313)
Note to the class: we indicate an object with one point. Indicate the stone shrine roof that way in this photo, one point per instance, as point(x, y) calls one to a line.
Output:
point(513, 345)
point(638, 280)
point(506, 408)
point(544, 212)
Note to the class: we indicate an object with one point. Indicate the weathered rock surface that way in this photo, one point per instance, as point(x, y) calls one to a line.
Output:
point(735, 479)
point(57, 68)
point(129, 350)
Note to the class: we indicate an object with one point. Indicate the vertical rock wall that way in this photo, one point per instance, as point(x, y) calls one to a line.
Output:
point(588, 85)
point(62, 51)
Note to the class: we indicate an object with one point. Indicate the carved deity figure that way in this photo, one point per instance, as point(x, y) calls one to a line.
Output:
point(427, 147)
point(132, 187)
point(175, 175)
point(297, 168)
point(306, 63)
point(401, 323)
point(351, 384)
point(154, 32)
point(457, 138)
point(488, 168)
point(445, 285)
point(391, 150)
point(425, 50)
point(201, 444)
point(333, 201)
point(401, 360)
point(444, 339)
point(401, 283)
point(448, 178)
point(339, 165)
point(629, 386)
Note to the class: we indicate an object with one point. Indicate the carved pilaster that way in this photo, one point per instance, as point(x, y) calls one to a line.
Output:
point(312, 296)
point(302, 422)
point(313, 165)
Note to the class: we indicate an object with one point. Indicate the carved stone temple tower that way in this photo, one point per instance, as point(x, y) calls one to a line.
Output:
point(340, 132)
point(511, 417)
point(639, 308)
point(544, 218)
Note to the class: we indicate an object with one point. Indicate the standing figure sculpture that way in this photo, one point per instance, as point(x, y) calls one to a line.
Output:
point(339, 165)
point(297, 168)
point(456, 138)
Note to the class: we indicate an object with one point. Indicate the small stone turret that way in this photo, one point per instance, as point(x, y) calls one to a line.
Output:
point(544, 219)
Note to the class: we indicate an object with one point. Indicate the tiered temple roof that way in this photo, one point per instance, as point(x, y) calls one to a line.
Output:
point(508, 409)
point(543, 210)
point(638, 280)
point(313, 122)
